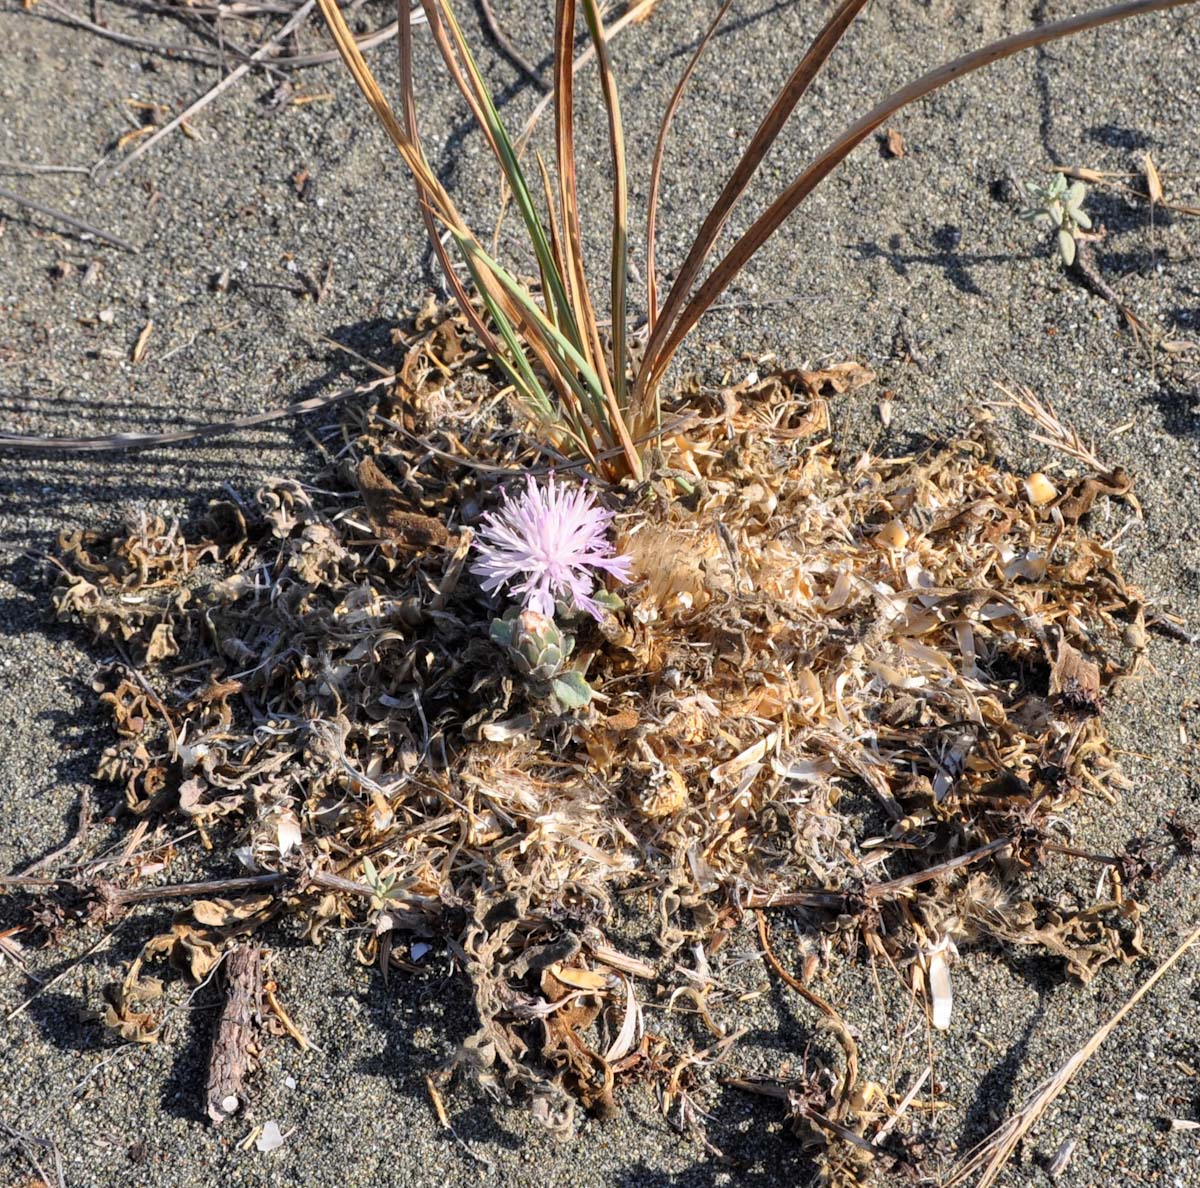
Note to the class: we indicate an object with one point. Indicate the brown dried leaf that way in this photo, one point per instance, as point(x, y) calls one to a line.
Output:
point(143, 342)
point(832, 380)
point(1075, 681)
point(893, 143)
point(389, 516)
point(219, 913)
point(1154, 188)
point(191, 950)
point(131, 1007)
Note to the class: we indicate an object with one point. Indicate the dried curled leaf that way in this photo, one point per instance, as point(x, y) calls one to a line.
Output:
point(132, 1007)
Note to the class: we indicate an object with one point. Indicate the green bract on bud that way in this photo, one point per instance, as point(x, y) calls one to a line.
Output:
point(538, 649)
point(534, 642)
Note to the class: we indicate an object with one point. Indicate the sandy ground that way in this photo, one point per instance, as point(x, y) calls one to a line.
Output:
point(916, 257)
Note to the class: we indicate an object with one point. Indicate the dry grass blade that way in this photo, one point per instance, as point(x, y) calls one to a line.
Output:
point(772, 124)
point(264, 51)
point(995, 1151)
point(564, 134)
point(143, 441)
point(664, 129)
point(1054, 433)
point(69, 220)
point(425, 199)
point(620, 216)
point(634, 15)
point(671, 331)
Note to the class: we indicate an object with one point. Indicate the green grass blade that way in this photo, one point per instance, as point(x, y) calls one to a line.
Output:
point(571, 365)
point(557, 305)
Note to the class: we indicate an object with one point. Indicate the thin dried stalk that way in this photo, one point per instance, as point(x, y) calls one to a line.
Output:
point(660, 145)
point(772, 124)
point(564, 136)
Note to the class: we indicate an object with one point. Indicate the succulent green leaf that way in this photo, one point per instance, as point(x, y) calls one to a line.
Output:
point(1066, 247)
point(571, 690)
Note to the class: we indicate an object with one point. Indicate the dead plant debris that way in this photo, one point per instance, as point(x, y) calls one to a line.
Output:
point(863, 696)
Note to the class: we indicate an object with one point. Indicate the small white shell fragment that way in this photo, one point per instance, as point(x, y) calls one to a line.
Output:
point(1040, 490)
point(940, 996)
point(271, 1138)
point(1062, 1157)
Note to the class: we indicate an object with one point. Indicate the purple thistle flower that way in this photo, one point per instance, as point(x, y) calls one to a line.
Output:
point(551, 538)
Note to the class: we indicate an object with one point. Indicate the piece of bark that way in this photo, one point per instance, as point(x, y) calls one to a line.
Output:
point(234, 1048)
point(390, 519)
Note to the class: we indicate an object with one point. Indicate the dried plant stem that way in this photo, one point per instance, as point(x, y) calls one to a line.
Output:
point(845, 1038)
point(143, 441)
point(232, 1045)
point(123, 897)
point(836, 899)
point(85, 821)
point(70, 220)
point(263, 51)
point(882, 890)
point(997, 1149)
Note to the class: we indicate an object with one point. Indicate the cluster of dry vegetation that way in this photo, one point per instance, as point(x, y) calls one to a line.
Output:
point(864, 696)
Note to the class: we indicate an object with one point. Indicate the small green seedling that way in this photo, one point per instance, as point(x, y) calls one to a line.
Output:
point(1060, 206)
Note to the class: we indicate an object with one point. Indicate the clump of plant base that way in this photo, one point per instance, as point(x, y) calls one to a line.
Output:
point(312, 682)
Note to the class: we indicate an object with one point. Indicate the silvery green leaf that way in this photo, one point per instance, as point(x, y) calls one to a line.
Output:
point(1055, 211)
point(608, 600)
point(571, 690)
point(1082, 219)
point(1057, 186)
point(372, 875)
point(502, 631)
point(1075, 195)
point(1066, 246)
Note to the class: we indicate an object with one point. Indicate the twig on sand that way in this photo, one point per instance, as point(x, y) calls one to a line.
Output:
point(232, 1049)
point(27, 1142)
point(20, 1007)
point(994, 1152)
point(70, 220)
point(206, 56)
point(35, 168)
point(142, 441)
point(232, 77)
point(510, 51)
